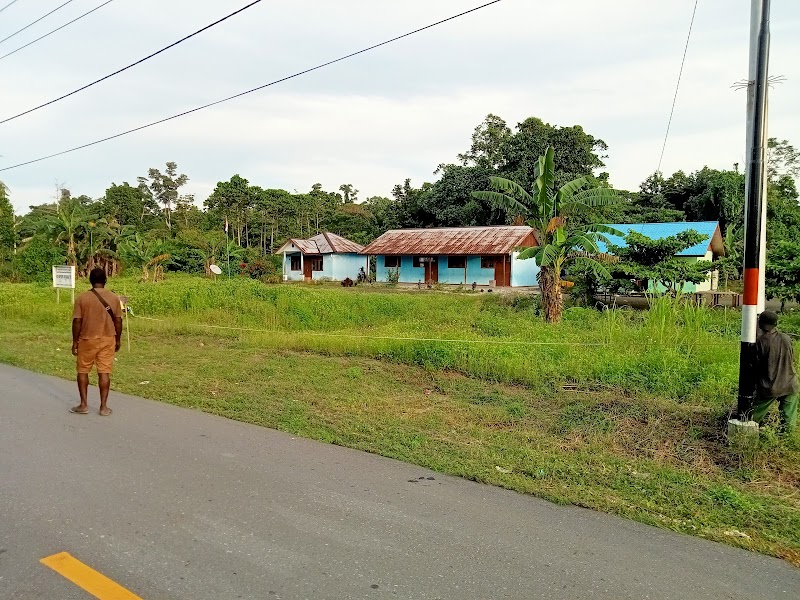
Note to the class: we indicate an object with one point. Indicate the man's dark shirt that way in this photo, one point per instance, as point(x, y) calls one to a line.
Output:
point(776, 371)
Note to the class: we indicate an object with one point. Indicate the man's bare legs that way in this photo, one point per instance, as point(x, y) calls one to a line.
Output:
point(104, 381)
point(83, 390)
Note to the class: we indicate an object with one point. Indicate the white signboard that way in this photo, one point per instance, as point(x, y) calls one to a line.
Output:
point(64, 277)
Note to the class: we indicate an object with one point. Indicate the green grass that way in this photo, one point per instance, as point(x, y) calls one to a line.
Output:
point(627, 417)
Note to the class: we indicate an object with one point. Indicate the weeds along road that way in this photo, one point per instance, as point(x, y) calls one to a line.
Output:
point(171, 503)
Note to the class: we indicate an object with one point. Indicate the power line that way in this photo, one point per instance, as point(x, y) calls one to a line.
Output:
point(9, 4)
point(138, 62)
point(677, 86)
point(56, 29)
point(34, 22)
point(255, 89)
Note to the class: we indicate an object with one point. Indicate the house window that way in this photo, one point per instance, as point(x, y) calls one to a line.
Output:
point(316, 263)
point(487, 262)
point(456, 262)
point(419, 261)
point(391, 262)
point(295, 266)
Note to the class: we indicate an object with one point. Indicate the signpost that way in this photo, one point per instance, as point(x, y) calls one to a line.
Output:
point(64, 278)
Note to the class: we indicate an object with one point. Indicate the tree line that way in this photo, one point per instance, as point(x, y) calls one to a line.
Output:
point(153, 225)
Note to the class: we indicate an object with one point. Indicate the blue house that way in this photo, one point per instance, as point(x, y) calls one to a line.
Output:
point(710, 249)
point(456, 255)
point(326, 256)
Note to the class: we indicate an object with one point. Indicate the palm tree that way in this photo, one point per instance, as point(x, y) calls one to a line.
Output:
point(547, 209)
point(64, 224)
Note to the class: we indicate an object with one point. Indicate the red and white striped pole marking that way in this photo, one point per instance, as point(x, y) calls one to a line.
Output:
point(755, 193)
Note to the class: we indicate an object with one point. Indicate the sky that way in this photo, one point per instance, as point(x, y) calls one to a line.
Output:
point(376, 119)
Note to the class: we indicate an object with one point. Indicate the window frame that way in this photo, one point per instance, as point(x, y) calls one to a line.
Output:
point(461, 262)
point(486, 259)
point(317, 263)
point(395, 260)
point(295, 259)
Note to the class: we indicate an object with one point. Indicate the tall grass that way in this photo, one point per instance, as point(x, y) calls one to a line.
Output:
point(675, 350)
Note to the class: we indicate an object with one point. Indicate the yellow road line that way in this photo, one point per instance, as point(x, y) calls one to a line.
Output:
point(97, 584)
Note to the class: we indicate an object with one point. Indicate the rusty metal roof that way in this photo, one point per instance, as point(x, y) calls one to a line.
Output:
point(324, 243)
point(453, 240)
point(330, 242)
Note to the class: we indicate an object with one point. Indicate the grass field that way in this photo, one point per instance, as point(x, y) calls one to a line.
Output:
point(620, 411)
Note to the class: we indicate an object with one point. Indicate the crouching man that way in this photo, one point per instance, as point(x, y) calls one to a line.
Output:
point(777, 376)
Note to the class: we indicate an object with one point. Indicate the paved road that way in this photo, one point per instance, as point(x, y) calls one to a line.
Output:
point(176, 504)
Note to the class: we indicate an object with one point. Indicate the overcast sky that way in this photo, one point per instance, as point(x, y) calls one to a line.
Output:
point(393, 113)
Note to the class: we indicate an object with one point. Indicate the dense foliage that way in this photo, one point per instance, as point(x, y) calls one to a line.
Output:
point(153, 225)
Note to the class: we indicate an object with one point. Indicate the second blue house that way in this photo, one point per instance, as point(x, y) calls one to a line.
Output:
point(456, 255)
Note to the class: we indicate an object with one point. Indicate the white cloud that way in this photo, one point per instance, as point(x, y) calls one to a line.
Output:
point(388, 115)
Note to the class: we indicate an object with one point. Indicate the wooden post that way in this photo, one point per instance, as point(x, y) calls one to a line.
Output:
point(128, 327)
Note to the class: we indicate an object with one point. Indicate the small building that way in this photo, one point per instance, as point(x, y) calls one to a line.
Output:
point(456, 255)
point(712, 248)
point(326, 256)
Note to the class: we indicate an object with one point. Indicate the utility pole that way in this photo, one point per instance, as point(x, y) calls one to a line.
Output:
point(755, 213)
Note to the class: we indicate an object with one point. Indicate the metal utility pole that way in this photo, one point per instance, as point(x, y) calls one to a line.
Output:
point(755, 201)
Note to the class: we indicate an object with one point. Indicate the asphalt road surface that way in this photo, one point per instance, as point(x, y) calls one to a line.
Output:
point(171, 503)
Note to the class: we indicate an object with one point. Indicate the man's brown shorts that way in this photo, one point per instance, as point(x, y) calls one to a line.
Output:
point(97, 351)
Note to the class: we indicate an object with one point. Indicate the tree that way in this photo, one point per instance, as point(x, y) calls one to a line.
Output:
point(730, 267)
point(233, 201)
point(716, 196)
point(8, 235)
point(129, 205)
point(489, 141)
point(383, 209)
point(657, 261)
point(782, 159)
point(165, 188)
point(577, 153)
point(207, 244)
point(349, 193)
point(548, 210)
point(783, 272)
point(66, 224)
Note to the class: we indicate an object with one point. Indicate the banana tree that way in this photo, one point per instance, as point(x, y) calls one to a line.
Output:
point(564, 248)
point(64, 225)
point(548, 209)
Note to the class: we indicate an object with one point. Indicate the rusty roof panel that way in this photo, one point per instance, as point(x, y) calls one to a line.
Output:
point(452, 241)
point(336, 243)
point(324, 243)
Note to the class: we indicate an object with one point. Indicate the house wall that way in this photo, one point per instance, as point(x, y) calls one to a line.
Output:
point(476, 274)
point(345, 265)
point(524, 273)
point(290, 275)
point(690, 288)
point(335, 267)
point(327, 268)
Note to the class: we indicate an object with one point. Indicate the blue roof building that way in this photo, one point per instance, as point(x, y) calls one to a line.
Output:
point(709, 249)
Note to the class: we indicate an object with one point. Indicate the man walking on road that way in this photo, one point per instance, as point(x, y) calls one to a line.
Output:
point(96, 336)
point(777, 377)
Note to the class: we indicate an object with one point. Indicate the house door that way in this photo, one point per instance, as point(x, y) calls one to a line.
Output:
point(431, 270)
point(307, 269)
point(502, 271)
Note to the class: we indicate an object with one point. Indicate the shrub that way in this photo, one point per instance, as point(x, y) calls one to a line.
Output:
point(393, 276)
point(264, 269)
point(36, 259)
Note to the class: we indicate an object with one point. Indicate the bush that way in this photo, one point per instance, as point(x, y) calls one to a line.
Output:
point(36, 259)
point(184, 258)
point(264, 269)
point(393, 276)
